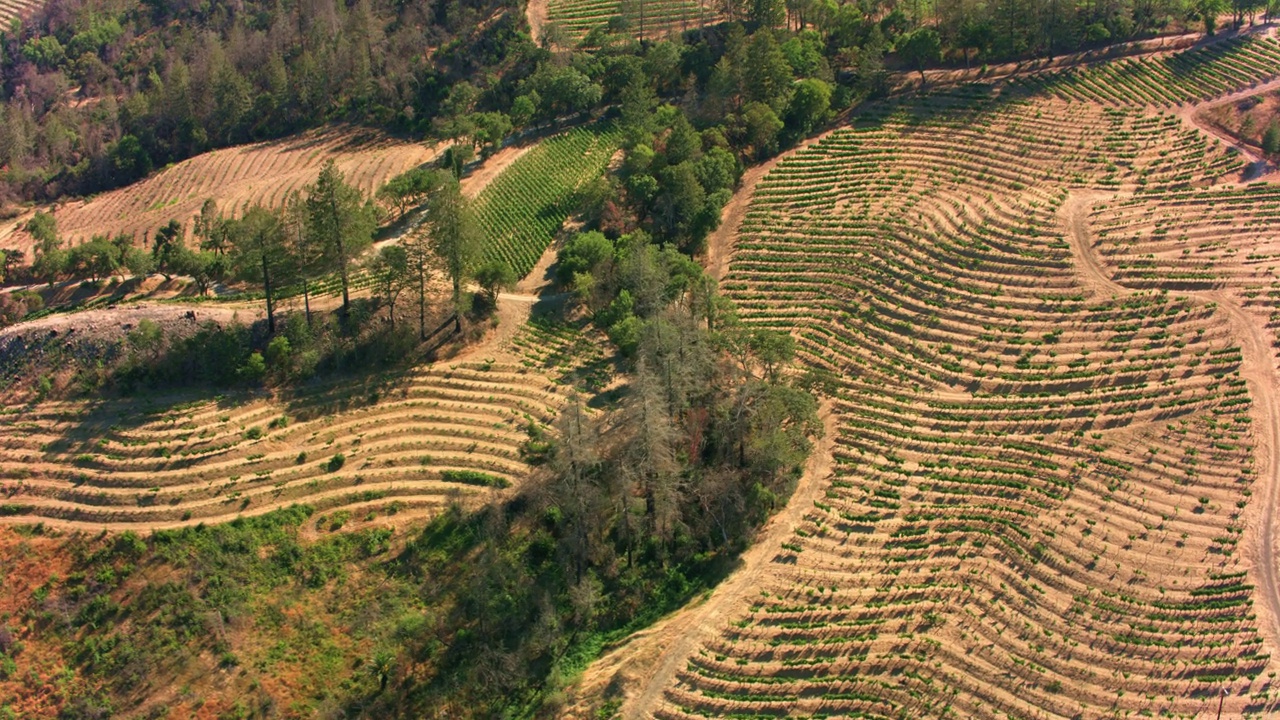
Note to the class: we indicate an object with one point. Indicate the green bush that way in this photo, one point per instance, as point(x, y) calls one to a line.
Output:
point(336, 462)
point(474, 477)
point(1271, 139)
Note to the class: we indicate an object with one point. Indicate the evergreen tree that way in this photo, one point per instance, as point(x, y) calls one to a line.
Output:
point(259, 253)
point(454, 237)
point(340, 222)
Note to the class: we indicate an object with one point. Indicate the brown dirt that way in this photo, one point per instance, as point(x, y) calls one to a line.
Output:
point(1259, 373)
point(257, 173)
point(110, 323)
point(1223, 119)
point(642, 667)
point(25, 565)
point(492, 167)
point(536, 12)
point(908, 80)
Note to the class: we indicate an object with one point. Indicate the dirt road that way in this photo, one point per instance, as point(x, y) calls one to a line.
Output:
point(648, 662)
point(721, 242)
point(536, 12)
point(1259, 373)
point(909, 80)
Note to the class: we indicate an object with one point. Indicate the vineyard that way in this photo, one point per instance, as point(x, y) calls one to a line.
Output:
point(11, 9)
point(523, 208)
point(235, 177)
point(1162, 81)
point(412, 443)
point(1044, 495)
point(650, 19)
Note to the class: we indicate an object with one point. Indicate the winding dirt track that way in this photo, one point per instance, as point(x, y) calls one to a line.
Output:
point(1190, 115)
point(721, 242)
point(1259, 373)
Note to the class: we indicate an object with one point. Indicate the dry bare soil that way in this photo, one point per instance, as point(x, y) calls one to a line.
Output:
point(235, 177)
point(1056, 444)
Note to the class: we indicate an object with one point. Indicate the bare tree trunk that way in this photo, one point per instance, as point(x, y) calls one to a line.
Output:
point(266, 286)
point(422, 302)
point(306, 300)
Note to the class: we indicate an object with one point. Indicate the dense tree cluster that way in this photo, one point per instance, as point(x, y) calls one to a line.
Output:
point(629, 513)
point(96, 94)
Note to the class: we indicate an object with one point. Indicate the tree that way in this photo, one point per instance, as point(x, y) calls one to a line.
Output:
point(391, 274)
point(50, 259)
point(489, 129)
point(202, 266)
point(454, 237)
point(648, 456)
point(420, 258)
point(44, 230)
point(1271, 139)
point(495, 276)
point(766, 14)
point(95, 259)
point(772, 349)
point(340, 223)
point(919, 48)
point(211, 228)
point(456, 157)
point(408, 188)
point(767, 74)
point(810, 106)
point(10, 259)
point(167, 248)
point(573, 474)
point(762, 127)
point(259, 253)
point(977, 35)
point(1209, 10)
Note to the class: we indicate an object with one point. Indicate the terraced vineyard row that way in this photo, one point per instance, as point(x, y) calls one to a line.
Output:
point(652, 18)
point(237, 177)
point(441, 433)
point(572, 354)
point(523, 208)
point(1162, 81)
point(1195, 239)
point(1040, 488)
point(11, 9)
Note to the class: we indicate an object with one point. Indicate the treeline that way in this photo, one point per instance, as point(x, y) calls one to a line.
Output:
point(321, 233)
point(96, 95)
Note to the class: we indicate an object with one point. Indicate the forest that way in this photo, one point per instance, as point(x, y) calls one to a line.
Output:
point(97, 94)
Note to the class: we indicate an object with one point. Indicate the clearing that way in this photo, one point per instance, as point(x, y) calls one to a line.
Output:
point(235, 177)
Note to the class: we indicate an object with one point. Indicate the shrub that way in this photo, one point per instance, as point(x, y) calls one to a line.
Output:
point(336, 462)
point(474, 477)
point(1271, 139)
point(254, 368)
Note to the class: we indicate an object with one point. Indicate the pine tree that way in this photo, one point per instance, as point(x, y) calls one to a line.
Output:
point(259, 253)
point(453, 237)
point(340, 222)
